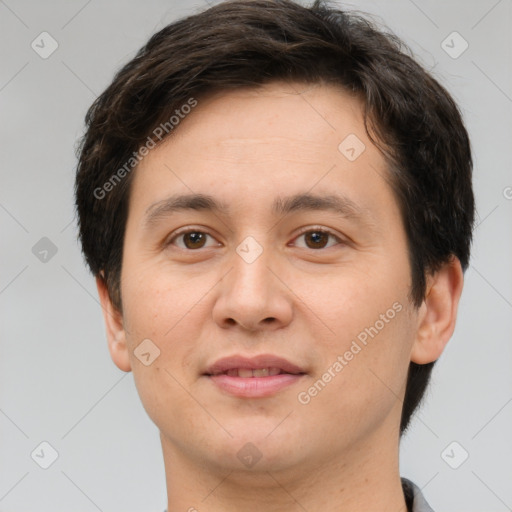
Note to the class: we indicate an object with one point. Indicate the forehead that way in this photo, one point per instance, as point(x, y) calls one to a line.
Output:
point(268, 115)
point(251, 143)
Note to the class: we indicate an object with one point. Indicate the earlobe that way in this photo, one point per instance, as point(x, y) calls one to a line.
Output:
point(438, 313)
point(116, 334)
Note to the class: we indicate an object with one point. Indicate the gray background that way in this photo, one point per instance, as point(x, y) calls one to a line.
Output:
point(57, 382)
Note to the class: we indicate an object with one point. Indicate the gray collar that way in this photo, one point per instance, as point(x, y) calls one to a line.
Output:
point(413, 494)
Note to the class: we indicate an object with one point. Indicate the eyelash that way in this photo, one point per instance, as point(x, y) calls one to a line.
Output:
point(305, 231)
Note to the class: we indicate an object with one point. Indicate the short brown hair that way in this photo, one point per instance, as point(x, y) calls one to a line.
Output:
point(240, 43)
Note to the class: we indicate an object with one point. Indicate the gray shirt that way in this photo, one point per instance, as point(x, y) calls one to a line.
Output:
point(414, 497)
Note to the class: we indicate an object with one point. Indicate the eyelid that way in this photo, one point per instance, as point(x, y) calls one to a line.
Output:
point(182, 231)
point(322, 229)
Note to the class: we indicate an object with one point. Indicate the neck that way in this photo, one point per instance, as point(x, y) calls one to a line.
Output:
point(364, 477)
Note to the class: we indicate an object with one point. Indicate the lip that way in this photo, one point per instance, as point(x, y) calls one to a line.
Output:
point(254, 387)
point(252, 363)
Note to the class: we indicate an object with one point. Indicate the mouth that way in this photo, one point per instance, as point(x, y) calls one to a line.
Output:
point(263, 365)
point(247, 373)
point(256, 377)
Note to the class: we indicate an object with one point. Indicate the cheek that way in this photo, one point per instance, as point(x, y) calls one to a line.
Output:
point(370, 383)
point(155, 311)
point(157, 302)
point(167, 401)
point(352, 299)
point(373, 324)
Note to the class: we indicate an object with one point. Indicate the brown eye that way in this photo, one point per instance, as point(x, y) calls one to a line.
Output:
point(191, 239)
point(317, 239)
point(194, 239)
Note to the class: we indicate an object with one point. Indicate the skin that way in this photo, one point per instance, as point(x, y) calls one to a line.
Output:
point(297, 300)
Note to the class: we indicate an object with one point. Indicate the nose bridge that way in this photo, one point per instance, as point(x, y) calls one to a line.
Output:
point(250, 274)
point(250, 295)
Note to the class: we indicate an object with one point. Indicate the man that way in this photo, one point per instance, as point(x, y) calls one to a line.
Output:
point(276, 203)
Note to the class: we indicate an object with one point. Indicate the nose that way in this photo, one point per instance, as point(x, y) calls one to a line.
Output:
point(253, 295)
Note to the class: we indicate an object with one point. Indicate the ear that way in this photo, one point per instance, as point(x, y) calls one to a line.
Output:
point(438, 312)
point(116, 335)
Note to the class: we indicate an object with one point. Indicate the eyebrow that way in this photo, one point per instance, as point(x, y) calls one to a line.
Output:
point(341, 205)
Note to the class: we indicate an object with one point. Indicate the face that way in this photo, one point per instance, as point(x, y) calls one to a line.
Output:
point(299, 253)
